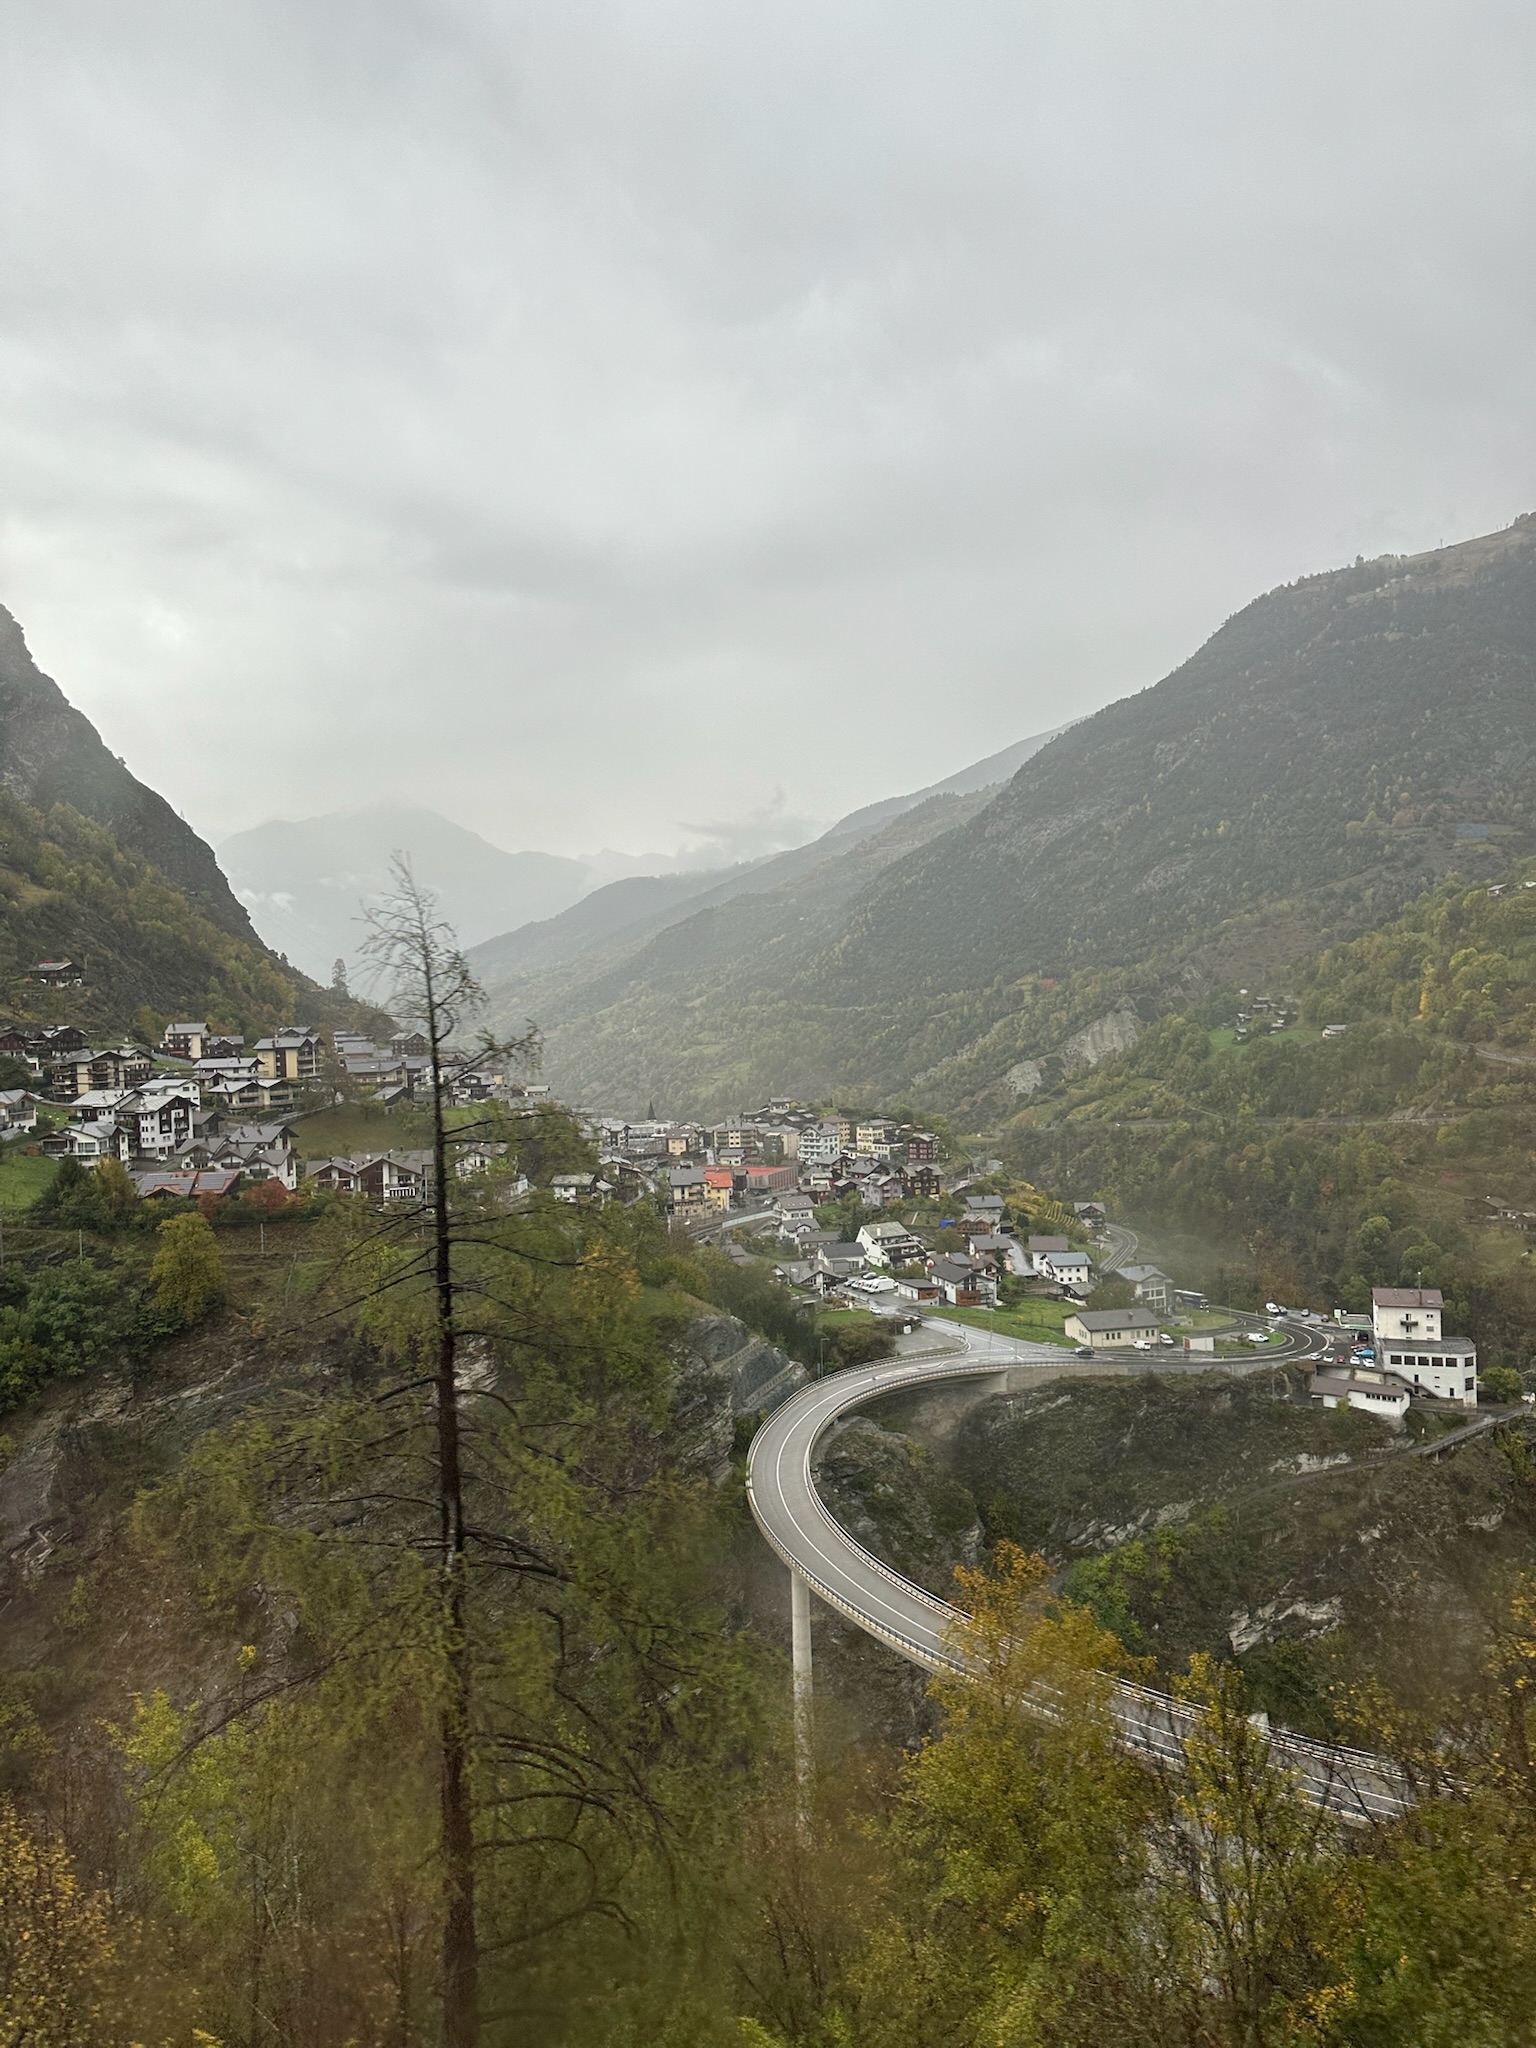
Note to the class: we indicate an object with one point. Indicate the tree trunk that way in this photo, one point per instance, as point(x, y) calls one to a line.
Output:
point(461, 1952)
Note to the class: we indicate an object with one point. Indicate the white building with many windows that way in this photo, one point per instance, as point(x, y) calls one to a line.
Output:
point(820, 1145)
point(1409, 1341)
point(891, 1244)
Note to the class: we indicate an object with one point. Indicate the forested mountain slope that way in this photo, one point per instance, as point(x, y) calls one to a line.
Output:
point(685, 1008)
point(96, 867)
point(633, 910)
point(1338, 746)
point(1323, 747)
point(50, 753)
point(67, 888)
point(1289, 1164)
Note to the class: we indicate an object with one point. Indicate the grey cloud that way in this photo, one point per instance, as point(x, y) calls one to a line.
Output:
point(748, 835)
point(588, 419)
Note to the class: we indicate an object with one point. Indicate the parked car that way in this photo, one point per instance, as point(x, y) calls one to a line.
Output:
point(1258, 1336)
point(1163, 1337)
point(1143, 1344)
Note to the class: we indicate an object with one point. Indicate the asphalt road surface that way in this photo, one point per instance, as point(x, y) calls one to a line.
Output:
point(929, 1631)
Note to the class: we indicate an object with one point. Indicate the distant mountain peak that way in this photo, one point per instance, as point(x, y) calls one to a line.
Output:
point(307, 879)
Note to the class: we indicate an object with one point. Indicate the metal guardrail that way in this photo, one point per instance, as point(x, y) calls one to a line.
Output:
point(1353, 1783)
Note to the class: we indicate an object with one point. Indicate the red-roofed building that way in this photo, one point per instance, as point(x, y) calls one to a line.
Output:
point(769, 1180)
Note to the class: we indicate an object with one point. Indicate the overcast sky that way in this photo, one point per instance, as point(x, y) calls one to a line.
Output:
point(601, 420)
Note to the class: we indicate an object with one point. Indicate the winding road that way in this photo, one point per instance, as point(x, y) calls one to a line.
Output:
point(825, 1559)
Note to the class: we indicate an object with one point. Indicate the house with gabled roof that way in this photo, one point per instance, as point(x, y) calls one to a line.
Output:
point(167, 1184)
point(1153, 1286)
point(891, 1244)
point(965, 1282)
point(292, 1054)
point(1111, 1326)
point(184, 1041)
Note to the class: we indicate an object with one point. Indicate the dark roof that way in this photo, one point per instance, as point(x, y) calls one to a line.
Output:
point(1348, 1382)
point(203, 1181)
point(1407, 1297)
point(1116, 1319)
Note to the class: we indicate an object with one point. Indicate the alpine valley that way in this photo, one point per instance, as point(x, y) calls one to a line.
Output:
point(1340, 747)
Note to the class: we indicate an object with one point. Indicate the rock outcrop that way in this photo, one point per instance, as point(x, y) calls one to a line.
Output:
point(726, 1374)
point(1117, 1032)
point(897, 1500)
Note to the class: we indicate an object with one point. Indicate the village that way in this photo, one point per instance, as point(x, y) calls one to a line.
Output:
point(859, 1213)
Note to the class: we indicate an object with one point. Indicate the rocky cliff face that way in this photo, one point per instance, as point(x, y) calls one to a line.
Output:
point(72, 1462)
point(890, 1493)
point(725, 1375)
point(50, 753)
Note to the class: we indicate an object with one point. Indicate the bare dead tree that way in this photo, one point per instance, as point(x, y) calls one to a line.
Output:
point(429, 983)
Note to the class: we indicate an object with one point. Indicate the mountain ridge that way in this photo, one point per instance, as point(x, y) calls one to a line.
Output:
point(97, 867)
point(651, 903)
point(52, 754)
point(304, 880)
point(1366, 640)
point(1316, 764)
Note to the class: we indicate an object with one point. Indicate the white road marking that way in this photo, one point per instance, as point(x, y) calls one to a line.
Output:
point(804, 1532)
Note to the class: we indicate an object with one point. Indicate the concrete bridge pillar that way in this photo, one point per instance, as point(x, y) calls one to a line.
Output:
point(800, 1660)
